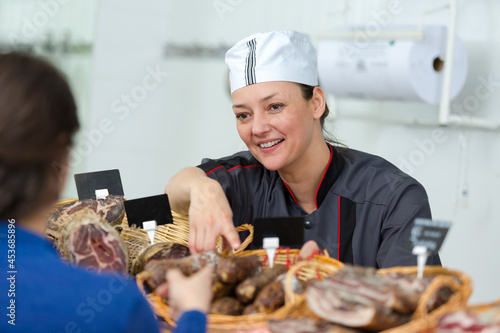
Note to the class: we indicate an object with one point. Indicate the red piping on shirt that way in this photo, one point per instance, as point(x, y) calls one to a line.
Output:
point(324, 173)
point(338, 235)
point(244, 167)
point(214, 169)
point(291, 194)
point(221, 166)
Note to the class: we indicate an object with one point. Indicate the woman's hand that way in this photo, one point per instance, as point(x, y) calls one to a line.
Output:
point(210, 216)
point(309, 249)
point(191, 192)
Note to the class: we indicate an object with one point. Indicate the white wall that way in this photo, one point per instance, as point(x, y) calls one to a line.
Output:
point(188, 115)
point(56, 23)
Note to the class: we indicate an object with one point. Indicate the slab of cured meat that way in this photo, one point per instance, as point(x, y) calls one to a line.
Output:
point(485, 319)
point(112, 209)
point(88, 240)
point(361, 298)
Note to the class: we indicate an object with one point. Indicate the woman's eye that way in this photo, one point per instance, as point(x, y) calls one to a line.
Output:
point(242, 116)
point(275, 107)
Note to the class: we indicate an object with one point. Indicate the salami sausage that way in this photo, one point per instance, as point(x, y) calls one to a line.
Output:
point(249, 288)
point(235, 269)
point(271, 297)
point(158, 251)
point(221, 289)
point(227, 306)
point(154, 271)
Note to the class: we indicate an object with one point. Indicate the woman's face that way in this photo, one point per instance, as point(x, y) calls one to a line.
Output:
point(275, 121)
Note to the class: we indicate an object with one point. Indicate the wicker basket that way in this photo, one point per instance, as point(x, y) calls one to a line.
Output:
point(479, 308)
point(426, 322)
point(317, 266)
point(177, 232)
point(487, 312)
point(421, 321)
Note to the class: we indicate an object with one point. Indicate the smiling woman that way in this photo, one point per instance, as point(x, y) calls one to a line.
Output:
point(280, 125)
point(357, 206)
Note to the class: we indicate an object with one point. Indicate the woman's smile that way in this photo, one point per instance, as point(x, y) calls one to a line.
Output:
point(270, 145)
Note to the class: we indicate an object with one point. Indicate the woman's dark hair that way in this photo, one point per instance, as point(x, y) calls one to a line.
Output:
point(307, 93)
point(37, 122)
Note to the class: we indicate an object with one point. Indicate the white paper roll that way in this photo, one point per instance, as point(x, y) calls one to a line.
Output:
point(399, 69)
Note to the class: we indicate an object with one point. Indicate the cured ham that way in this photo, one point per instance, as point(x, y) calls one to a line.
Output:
point(486, 320)
point(88, 240)
point(112, 209)
point(330, 303)
point(362, 298)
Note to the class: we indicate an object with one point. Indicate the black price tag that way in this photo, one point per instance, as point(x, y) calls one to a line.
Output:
point(290, 231)
point(428, 233)
point(88, 183)
point(155, 208)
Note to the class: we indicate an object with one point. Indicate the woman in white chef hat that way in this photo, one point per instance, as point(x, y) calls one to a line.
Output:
point(357, 206)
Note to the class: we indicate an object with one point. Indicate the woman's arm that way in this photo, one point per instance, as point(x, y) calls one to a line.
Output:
point(191, 192)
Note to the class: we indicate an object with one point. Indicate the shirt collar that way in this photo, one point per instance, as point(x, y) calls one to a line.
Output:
point(330, 175)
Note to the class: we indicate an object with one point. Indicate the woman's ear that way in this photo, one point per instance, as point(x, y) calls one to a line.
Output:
point(319, 103)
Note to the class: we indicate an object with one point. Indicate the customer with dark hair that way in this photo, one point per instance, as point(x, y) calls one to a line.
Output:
point(39, 292)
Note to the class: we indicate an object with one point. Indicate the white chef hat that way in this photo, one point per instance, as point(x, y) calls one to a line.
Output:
point(281, 55)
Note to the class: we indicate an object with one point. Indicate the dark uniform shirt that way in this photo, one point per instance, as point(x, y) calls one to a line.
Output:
point(365, 205)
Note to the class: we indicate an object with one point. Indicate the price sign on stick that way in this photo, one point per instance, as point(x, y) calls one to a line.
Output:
point(429, 234)
point(289, 230)
point(92, 184)
point(154, 208)
point(426, 238)
point(149, 213)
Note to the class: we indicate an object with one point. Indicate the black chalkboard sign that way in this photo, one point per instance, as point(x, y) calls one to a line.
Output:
point(428, 233)
point(88, 183)
point(155, 208)
point(290, 231)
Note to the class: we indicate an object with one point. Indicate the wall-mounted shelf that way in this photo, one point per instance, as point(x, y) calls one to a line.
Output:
point(195, 50)
point(49, 45)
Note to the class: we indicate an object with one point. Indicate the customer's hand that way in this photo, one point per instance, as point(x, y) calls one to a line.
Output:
point(188, 293)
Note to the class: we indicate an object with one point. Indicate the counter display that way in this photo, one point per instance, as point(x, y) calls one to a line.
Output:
point(312, 293)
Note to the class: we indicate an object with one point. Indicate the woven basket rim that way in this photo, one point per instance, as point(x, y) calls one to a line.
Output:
point(456, 301)
point(222, 322)
point(177, 232)
point(226, 322)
